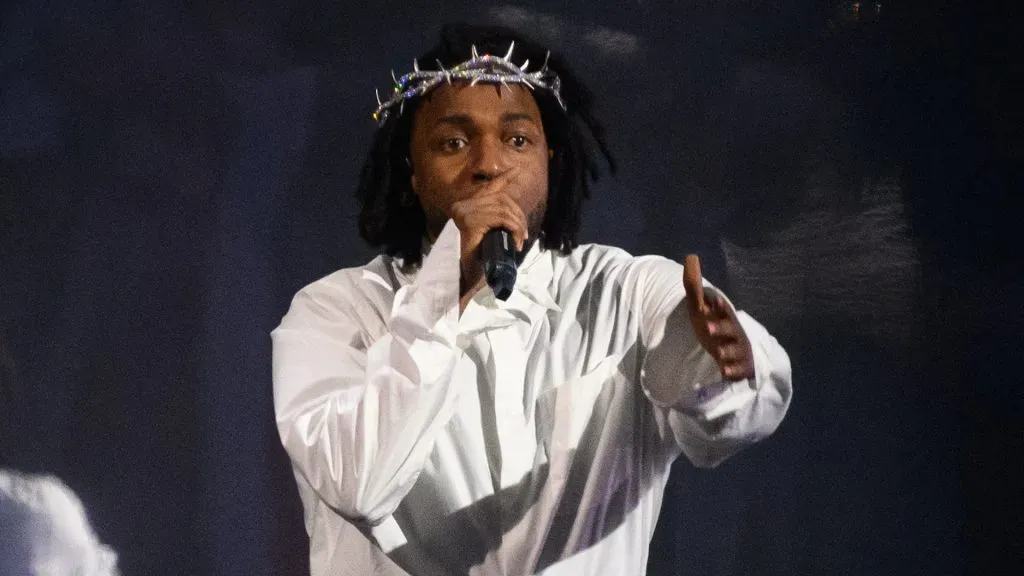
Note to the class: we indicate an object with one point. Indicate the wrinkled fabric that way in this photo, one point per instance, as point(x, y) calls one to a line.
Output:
point(530, 436)
point(44, 530)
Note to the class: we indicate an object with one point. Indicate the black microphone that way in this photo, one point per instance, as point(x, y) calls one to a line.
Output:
point(498, 253)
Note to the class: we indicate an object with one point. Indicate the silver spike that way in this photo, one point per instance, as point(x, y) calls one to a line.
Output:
point(401, 107)
point(475, 80)
point(415, 65)
point(546, 56)
point(447, 75)
point(525, 64)
point(510, 47)
point(393, 77)
point(472, 50)
point(377, 92)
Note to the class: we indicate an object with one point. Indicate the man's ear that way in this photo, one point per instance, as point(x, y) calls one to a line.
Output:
point(412, 184)
point(551, 153)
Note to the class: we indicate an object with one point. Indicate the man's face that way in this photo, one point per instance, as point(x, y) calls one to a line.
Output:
point(463, 136)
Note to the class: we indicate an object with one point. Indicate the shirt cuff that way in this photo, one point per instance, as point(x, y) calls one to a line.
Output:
point(704, 394)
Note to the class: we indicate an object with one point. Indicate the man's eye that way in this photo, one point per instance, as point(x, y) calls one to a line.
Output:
point(453, 144)
point(519, 141)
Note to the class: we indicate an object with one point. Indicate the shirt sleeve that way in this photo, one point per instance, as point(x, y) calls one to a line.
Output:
point(358, 419)
point(708, 418)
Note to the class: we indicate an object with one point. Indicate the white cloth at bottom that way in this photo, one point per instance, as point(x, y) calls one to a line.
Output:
point(44, 530)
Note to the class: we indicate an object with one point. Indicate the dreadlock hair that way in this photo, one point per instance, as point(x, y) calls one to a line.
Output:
point(391, 216)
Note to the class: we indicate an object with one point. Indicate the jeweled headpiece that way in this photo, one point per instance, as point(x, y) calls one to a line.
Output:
point(486, 68)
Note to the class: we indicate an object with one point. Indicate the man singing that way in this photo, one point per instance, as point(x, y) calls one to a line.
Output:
point(442, 426)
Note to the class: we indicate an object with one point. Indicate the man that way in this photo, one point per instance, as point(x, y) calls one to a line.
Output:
point(434, 426)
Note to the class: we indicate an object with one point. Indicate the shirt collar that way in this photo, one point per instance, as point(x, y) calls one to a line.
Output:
point(531, 297)
point(533, 282)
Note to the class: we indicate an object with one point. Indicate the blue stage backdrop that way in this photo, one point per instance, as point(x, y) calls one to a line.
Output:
point(171, 173)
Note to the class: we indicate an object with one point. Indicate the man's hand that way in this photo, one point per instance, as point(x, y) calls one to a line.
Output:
point(715, 325)
point(491, 206)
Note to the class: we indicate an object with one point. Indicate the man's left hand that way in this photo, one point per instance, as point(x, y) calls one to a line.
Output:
point(716, 326)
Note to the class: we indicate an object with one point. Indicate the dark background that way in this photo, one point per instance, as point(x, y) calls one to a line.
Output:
point(172, 172)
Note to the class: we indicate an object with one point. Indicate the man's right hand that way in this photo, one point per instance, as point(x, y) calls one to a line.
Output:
point(491, 206)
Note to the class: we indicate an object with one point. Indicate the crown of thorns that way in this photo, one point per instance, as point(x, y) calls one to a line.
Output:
point(486, 68)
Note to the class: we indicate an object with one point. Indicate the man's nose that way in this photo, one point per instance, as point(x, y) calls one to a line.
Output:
point(489, 160)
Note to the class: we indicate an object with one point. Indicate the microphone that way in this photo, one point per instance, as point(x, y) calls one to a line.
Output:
point(498, 253)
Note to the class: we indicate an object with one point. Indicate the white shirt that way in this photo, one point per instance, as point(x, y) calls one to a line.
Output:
point(531, 436)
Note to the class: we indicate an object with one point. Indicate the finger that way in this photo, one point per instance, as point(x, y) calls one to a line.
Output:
point(717, 305)
point(734, 371)
point(724, 331)
point(502, 213)
point(731, 352)
point(731, 370)
point(513, 219)
point(515, 222)
point(693, 283)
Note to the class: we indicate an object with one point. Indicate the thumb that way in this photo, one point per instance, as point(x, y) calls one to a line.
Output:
point(693, 283)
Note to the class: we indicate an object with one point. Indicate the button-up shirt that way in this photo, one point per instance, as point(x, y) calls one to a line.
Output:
point(527, 436)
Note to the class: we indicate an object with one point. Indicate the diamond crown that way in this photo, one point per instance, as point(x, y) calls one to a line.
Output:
point(486, 68)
